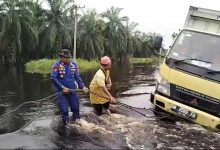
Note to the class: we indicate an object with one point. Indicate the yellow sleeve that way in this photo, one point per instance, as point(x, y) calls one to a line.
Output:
point(101, 81)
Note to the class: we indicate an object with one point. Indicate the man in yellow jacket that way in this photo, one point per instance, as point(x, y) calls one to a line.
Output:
point(100, 96)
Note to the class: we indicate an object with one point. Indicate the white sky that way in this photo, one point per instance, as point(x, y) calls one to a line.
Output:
point(160, 16)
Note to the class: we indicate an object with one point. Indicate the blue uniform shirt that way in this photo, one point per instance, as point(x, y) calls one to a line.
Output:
point(66, 75)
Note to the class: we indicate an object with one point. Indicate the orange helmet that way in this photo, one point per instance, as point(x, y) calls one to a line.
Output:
point(105, 60)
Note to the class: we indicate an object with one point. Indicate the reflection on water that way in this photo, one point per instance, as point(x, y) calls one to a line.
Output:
point(125, 129)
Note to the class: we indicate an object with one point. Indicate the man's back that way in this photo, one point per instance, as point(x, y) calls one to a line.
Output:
point(96, 86)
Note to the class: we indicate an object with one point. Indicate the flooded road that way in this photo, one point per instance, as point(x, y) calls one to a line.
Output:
point(37, 126)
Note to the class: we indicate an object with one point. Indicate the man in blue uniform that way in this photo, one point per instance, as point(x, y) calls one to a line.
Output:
point(65, 75)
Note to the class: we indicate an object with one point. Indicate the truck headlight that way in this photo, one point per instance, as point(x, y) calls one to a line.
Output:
point(163, 86)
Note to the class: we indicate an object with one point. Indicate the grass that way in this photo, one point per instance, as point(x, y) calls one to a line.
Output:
point(85, 65)
point(44, 66)
point(149, 61)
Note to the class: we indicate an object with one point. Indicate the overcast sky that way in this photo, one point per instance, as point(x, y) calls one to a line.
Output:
point(160, 16)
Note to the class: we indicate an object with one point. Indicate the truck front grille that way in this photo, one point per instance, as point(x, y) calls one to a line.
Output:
point(195, 99)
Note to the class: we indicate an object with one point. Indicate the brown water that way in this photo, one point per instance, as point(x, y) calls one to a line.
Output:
point(125, 129)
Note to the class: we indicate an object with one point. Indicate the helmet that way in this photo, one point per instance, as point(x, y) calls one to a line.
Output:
point(105, 60)
point(65, 53)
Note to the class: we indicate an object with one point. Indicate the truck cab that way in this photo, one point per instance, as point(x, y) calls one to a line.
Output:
point(189, 82)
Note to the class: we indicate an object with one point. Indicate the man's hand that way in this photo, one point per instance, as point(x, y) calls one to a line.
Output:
point(108, 86)
point(65, 90)
point(85, 90)
point(112, 100)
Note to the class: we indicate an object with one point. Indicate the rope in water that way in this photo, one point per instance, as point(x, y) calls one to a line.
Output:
point(149, 109)
point(36, 101)
point(133, 108)
point(40, 110)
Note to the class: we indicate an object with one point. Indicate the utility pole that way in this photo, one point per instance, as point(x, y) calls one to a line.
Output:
point(75, 7)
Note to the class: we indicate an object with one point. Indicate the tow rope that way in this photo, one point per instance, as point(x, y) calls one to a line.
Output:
point(54, 96)
point(134, 108)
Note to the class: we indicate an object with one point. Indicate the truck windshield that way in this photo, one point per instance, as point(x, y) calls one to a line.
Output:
point(197, 48)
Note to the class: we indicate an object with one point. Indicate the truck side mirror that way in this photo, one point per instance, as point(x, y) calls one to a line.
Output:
point(158, 42)
point(157, 45)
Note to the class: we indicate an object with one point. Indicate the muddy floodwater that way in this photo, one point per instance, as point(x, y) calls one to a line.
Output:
point(29, 119)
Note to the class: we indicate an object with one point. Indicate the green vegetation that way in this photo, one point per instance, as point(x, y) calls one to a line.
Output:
point(85, 65)
point(44, 66)
point(149, 61)
point(30, 32)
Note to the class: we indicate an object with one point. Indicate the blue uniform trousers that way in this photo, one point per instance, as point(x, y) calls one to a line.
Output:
point(64, 101)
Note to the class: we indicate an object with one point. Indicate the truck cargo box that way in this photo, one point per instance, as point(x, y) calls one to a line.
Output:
point(203, 19)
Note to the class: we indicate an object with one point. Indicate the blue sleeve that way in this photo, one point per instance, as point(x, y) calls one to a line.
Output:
point(78, 78)
point(54, 76)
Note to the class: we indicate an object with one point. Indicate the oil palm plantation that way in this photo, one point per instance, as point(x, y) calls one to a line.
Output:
point(146, 49)
point(29, 31)
point(55, 29)
point(17, 23)
point(134, 43)
point(91, 39)
point(115, 33)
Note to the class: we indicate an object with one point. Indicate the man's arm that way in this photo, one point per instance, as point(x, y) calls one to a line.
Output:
point(111, 98)
point(108, 80)
point(101, 83)
point(54, 75)
point(109, 83)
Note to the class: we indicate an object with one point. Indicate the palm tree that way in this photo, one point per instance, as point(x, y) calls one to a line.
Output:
point(133, 41)
point(55, 30)
point(17, 21)
point(91, 39)
point(32, 51)
point(147, 44)
point(143, 44)
point(136, 42)
point(115, 33)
